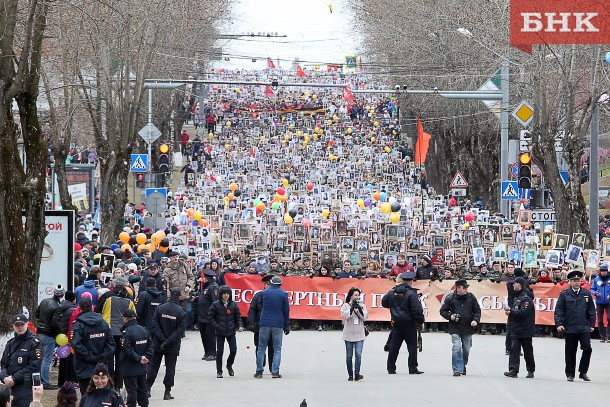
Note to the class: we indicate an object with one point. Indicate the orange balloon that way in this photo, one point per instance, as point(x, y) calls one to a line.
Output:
point(163, 249)
point(161, 233)
point(377, 196)
point(204, 223)
point(231, 196)
point(233, 187)
point(277, 197)
point(125, 247)
point(155, 239)
point(190, 212)
point(283, 198)
point(261, 206)
point(124, 237)
point(141, 238)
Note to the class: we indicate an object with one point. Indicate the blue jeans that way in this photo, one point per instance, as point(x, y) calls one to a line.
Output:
point(48, 346)
point(265, 334)
point(460, 351)
point(349, 354)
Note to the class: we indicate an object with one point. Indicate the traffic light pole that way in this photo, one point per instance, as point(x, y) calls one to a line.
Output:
point(149, 131)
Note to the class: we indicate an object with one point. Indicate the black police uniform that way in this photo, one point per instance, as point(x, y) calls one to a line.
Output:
point(207, 296)
point(407, 313)
point(22, 356)
point(169, 324)
point(522, 320)
point(92, 343)
point(136, 342)
point(160, 283)
point(146, 305)
point(576, 313)
point(254, 320)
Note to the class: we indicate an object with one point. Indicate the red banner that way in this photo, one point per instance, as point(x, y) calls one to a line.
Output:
point(321, 298)
point(559, 22)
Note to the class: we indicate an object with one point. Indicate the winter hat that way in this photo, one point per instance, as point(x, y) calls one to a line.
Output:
point(67, 388)
point(59, 291)
point(70, 296)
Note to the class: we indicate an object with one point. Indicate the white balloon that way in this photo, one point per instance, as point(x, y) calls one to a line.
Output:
point(392, 200)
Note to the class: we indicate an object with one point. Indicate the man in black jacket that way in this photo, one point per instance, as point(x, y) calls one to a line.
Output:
point(169, 324)
point(147, 302)
point(137, 352)
point(61, 323)
point(207, 295)
point(92, 343)
point(46, 333)
point(22, 356)
point(226, 318)
point(154, 272)
point(254, 318)
point(463, 312)
point(407, 316)
point(427, 271)
point(575, 316)
point(522, 320)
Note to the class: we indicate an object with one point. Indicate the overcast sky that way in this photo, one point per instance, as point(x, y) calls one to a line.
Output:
point(314, 34)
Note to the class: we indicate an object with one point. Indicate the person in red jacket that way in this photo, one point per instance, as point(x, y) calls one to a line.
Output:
point(184, 139)
point(401, 266)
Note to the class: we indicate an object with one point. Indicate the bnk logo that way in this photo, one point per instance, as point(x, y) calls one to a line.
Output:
point(559, 22)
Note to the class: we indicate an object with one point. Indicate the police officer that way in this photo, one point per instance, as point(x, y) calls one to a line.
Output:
point(207, 295)
point(154, 272)
point(407, 315)
point(137, 352)
point(92, 342)
point(254, 318)
point(22, 356)
point(169, 324)
point(522, 321)
point(147, 302)
point(575, 316)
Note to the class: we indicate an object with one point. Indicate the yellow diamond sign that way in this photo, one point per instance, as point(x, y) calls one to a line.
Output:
point(523, 113)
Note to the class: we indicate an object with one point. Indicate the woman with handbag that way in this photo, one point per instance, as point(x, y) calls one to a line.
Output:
point(354, 313)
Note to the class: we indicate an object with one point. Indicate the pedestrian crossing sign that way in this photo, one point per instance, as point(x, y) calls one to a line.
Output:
point(510, 190)
point(139, 163)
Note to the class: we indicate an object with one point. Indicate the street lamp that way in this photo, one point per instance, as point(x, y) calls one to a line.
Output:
point(504, 77)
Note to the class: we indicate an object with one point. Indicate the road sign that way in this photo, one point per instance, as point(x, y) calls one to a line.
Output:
point(162, 191)
point(458, 192)
point(559, 141)
point(525, 193)
point(514, 171)
point(139, 163)
point(149, 133)
point(510, 190)
point(543, 215)
point(523, 113)
point(458, 181)
point(524, 141)
point(564, 177)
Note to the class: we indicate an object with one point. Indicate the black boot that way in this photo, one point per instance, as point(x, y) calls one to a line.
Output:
point(168, 395)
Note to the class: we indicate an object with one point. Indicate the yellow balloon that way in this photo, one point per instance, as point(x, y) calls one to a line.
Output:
point(388, 149)
point(197, 215)
point(373, 139)
point(386, 207)
point(306, 93)
point(314, 96)
point(286, 137)
point(288, 219)
point(291, 126)
point(394, 217)
point(211, 135)
point(285, 182)
point(376, 124)
point(229, 124)
point(325, 213)
point(227, 146)
point(315, 136)
point(349, 130)
point(335, 117)
point(306, 139)
point(262, 138)
point(330, 122)
point(368, 107)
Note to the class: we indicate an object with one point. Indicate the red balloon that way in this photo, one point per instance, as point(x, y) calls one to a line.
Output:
point(469, 216)
point(258, 211)
point(331, 142)
point(281, 191)
point(309, 186)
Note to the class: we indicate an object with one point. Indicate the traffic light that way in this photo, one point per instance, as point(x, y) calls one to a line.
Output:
point(525, 171)
point(164, 158)
point(140, 180)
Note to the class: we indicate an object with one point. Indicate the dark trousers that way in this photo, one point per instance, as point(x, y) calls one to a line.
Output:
point(170, 370)
point(508, 341)
point(601, 308)
point(572, 341)
point(82, 385)
point(208, 338)
point(403, 331)
point(220, 346)
point(136, 390)
point(269, 349)
point(387, 343)
point(22, 395)
point(114, 364)
point(66, 371)
point(528, 354)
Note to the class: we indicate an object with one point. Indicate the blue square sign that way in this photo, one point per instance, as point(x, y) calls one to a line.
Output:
point(510, 190)
point(139, 163)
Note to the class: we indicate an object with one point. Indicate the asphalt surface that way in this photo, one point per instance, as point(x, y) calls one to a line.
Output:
point(313, 368)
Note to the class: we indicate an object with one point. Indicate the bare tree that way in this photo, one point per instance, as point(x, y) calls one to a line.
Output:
point(22, 24)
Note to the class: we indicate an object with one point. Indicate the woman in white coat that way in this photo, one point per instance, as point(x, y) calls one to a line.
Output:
point(353, 313)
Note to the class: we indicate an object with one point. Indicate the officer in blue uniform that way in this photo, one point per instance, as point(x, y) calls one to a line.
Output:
point(22, 356)
point(137, 352)
point(575, 316)
point(407, 315)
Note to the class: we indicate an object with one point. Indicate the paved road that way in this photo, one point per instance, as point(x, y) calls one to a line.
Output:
point(313, 367)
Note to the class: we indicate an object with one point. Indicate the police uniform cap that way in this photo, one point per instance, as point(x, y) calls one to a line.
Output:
point(100, 369)
point(19, 319)
point(175, 292)
point(603, 267)
point(521, 281)
point(266, 278)
point(129, 313)
point(462, 283)
point(409, 275)
point(574, 274)
point(209, 273)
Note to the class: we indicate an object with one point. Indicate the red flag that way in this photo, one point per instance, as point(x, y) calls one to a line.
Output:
point(348, 96)
point(300, 71)
point(332, 68)
point(423, 142)
point(270, 64)
point(252, 152)
point(269, 92)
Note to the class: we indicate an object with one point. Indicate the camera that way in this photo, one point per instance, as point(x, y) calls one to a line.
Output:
point(397, 87)
point(457, 317)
